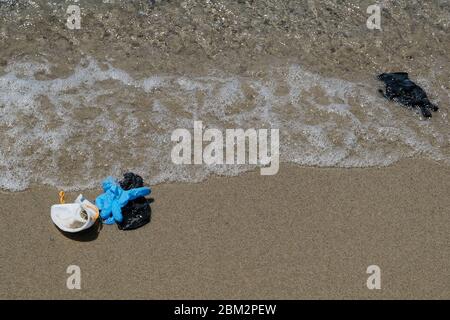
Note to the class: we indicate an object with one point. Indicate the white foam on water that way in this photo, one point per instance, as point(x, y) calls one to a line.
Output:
point(72, 132)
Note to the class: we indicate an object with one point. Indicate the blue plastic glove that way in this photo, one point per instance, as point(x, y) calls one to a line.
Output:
point(114, 198)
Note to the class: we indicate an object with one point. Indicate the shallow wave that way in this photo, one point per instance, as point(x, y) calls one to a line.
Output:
point(72, 132)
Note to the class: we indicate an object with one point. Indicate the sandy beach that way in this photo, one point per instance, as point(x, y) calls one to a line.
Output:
point(363, 180)
point(304, 233)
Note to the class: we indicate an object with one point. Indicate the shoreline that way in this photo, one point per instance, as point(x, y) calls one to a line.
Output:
point(215, 175)
point(304, 233)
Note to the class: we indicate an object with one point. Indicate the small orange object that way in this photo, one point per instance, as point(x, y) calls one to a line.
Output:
point(62, 194)
point(95, 209)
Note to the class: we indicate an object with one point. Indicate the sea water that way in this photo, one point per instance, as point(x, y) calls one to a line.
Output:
point(104, 114)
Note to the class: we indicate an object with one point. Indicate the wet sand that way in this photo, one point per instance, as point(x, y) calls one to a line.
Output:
point(304, 233)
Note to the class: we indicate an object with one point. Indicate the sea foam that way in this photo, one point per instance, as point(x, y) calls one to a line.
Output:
point(72, 132)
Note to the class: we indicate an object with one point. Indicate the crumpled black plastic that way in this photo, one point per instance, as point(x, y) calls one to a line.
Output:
point(401, 89)
point(136, 213)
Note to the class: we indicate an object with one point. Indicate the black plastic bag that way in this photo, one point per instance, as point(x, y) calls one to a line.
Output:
point(401, 89)
point(136, 213)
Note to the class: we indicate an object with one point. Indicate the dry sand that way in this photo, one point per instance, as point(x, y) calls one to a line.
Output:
point(304, 233)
